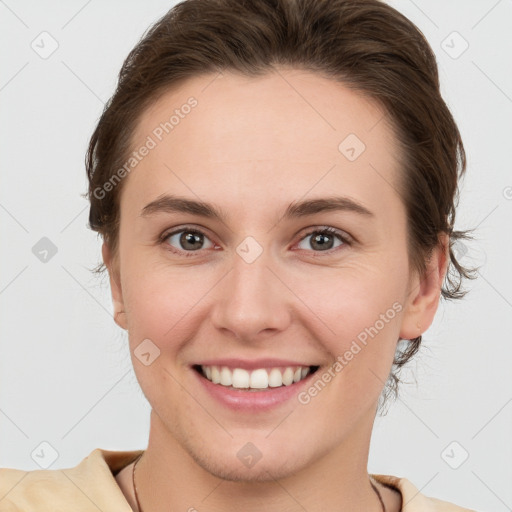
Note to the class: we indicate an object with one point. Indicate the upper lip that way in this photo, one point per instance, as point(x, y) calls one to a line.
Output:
point(252, 364)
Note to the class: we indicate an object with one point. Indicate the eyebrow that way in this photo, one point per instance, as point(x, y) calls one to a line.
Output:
point(172, 204)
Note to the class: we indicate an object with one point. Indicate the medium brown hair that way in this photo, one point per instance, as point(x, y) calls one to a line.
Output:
point(364, 44)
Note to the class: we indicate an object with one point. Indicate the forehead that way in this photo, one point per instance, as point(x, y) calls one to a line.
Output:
point(286, 133)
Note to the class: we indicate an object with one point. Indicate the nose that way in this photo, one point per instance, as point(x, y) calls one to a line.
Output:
point(252, 302)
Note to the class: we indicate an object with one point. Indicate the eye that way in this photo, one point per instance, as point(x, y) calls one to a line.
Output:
point(324, 239)
point(187, 240)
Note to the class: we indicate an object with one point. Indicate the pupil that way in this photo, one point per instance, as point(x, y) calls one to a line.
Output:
point(191, 238)
point(320, 238)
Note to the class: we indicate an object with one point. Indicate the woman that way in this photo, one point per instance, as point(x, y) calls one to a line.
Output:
point(274, 182)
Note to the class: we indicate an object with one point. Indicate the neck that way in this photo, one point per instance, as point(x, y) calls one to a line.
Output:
point(168, 478)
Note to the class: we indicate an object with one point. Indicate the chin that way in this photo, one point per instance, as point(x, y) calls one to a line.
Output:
point(246, 458)
point(235, 471)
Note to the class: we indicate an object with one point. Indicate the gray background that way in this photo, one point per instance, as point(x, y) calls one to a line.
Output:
point(66, 376)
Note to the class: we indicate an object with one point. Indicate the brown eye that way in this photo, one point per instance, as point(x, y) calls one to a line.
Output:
point(323, 240)
point(188, 240)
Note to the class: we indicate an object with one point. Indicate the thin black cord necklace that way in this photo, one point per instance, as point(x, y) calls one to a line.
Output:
point(139, 508)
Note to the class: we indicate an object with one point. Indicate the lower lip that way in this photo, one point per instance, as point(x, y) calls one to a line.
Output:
point(253, 401)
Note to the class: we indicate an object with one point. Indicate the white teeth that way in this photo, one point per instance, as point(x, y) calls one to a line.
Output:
point(288, 376)
point(275, 378)
point(257, 379)
point(240, 378)
point(225, 376)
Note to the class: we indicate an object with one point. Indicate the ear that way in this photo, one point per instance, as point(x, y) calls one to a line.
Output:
point(425, 291)
point(115, 286)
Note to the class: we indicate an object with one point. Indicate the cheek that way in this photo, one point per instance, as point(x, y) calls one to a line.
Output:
point(160, 308)
point(162, 302)
point(364, 320)
point(348, 302)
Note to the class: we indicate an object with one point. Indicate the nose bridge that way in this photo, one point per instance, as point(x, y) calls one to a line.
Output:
point(252, 298)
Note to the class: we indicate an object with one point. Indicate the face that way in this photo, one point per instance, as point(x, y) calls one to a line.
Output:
point(297, 272)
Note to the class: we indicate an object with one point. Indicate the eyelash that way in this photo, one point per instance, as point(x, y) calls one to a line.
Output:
point(343, 237)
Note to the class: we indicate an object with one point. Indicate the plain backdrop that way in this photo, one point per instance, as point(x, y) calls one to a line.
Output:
point(66, 375)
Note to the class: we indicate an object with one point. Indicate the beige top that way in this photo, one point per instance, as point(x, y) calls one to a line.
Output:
point(91, 486)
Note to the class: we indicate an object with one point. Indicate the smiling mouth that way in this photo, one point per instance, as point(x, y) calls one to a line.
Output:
point(259, 379)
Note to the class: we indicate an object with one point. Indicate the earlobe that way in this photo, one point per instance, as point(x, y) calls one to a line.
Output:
point(425, 291)
point(115, 286)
